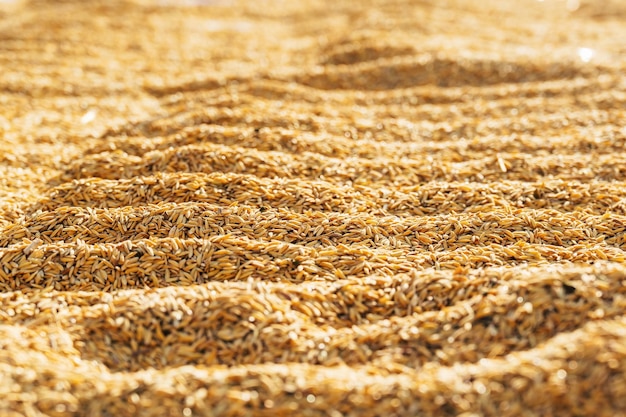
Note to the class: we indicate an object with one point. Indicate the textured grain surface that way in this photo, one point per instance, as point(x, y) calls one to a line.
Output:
point(383, 207)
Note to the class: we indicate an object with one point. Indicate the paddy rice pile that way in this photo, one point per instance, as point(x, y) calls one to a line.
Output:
point(341, 208)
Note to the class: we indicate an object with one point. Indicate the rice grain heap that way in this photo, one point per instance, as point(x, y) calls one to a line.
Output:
point(384, 207)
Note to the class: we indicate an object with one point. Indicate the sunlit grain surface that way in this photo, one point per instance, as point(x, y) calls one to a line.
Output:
point(312, 208)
